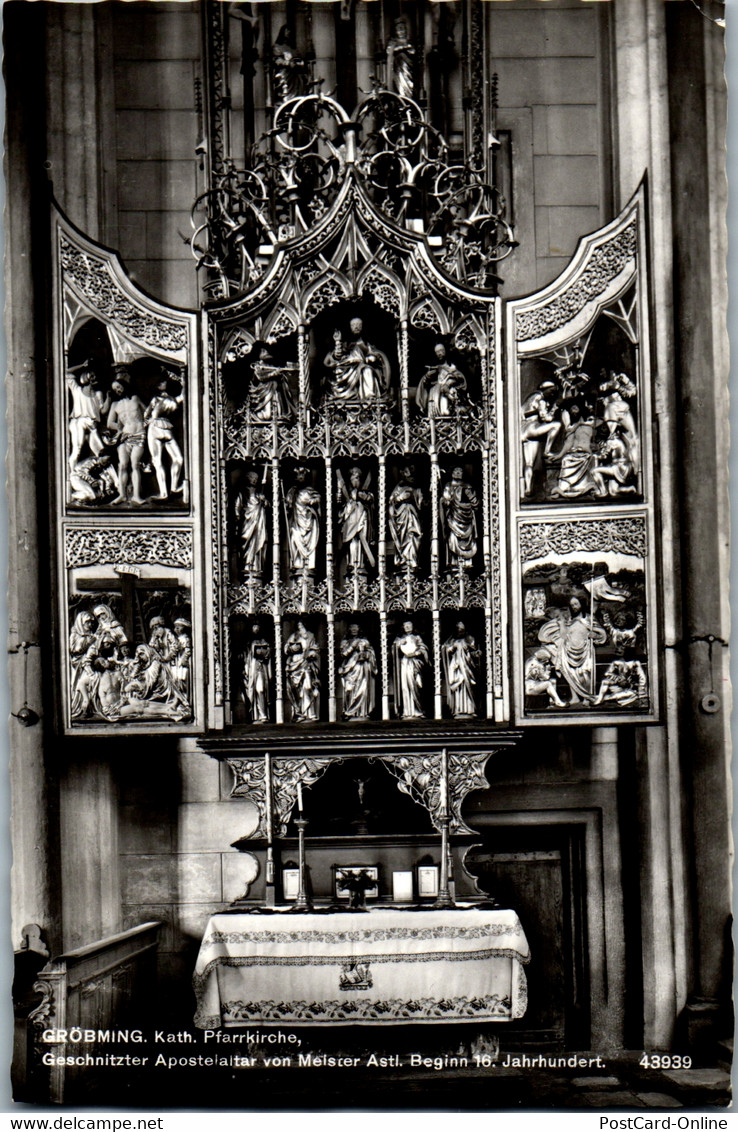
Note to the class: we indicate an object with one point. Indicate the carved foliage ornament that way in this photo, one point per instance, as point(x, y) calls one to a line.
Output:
point(619, 536)
point(249, 781)
point(604, 264)
point(85, 546)
point(94, 279)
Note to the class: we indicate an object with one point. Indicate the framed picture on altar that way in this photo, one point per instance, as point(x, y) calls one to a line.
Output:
point(427, 881)
point(342, 884)
point(290, 883)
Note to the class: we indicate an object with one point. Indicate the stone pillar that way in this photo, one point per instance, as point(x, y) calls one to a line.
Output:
point(698, 192)
point(33, 881)
point(642, 148)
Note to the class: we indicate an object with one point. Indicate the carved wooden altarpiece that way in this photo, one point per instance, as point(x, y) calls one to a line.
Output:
point(355, 501)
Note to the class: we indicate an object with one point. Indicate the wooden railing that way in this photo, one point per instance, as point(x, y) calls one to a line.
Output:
point(94, 1000)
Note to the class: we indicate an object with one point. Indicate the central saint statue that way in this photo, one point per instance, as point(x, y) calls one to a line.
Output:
point(357, 370)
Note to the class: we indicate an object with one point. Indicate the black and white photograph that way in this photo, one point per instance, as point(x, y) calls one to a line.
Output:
point(368, 556)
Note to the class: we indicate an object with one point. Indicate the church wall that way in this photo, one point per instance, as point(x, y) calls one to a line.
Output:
point(551, 62)
point(156, 52)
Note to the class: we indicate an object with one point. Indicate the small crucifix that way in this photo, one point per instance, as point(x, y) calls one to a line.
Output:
point(130, 585)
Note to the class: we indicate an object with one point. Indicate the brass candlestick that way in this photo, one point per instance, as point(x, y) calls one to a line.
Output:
point(445, 900)
point(303, 902)
point(270, 891)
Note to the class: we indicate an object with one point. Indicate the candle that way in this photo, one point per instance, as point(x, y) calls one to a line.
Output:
point(444, 782)
point(268, 795)
point(299, 795)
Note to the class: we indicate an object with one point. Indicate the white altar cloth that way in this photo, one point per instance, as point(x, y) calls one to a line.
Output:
point(385, 965)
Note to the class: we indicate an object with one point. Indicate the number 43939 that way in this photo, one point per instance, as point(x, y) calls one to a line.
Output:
point(665, 1061)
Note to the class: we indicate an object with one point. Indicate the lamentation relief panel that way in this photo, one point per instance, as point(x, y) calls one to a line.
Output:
point(129, 548)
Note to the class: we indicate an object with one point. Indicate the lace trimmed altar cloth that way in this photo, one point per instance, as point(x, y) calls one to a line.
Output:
point(385, 965)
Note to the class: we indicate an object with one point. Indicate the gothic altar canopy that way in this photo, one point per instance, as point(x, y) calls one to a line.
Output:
point(358, 486)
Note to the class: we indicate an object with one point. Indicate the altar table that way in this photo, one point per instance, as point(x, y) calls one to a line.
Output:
point(383, 966)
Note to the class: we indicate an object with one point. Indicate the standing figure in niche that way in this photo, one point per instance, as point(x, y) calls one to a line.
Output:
point(458, 506)
point(404, 519)
point(89, 406)
point(269, 391)
point(302, 673)
point(257, 674)
point(162, 640)
point(288, 67)
point(410, 656)
point(82, 650)
point(538, 421)
point(182, 658)
point(355, 519)
point(460, 660)
point(160, 434)
point(441, 391)
point(126, 422)
point(357, 371)
point(302, 504)
point(357, 670)
point(401, 60)
point(571, 636)
point(251, 506)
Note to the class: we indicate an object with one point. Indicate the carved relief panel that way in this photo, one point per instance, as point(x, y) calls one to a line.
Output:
point(581, 485)
point(128, 512)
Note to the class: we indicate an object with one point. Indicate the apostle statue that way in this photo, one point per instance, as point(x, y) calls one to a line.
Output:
point(355, 519)
point(288, 67)
point(460, 660)
point(357, 371)
point(357, 670)
point(571, 636)
point(257, 674)
point(251, 507)
point(410, 656)
point(302, 504)
point(441, 391)
point(269, 391)
point(458, 506)
point(404, 519)
point(400, 60)
point(302, 673)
